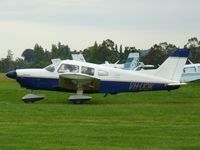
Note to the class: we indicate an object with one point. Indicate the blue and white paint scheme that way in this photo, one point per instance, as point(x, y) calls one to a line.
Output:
point(82, 77)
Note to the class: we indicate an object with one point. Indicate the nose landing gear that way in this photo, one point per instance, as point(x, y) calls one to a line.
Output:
point(31, 98)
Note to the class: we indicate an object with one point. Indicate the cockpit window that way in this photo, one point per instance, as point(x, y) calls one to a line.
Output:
point(68, 68)
point(87, 70)
point(52, 67)
point(190, 70)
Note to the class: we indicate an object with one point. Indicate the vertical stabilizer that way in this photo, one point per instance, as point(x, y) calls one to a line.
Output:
point(132, 61)
point(172, 68)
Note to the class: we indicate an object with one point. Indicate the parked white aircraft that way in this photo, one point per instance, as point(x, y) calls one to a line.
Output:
point(82, 77)
point(191, 72)
point(132, 63)
point(115, 65)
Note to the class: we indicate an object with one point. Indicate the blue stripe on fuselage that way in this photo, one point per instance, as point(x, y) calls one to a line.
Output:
point(116, 87)
point(105, 86)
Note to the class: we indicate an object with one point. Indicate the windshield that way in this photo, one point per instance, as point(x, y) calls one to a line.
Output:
point(52, 67)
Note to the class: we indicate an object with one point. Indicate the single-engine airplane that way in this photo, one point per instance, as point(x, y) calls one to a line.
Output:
point(82, 77)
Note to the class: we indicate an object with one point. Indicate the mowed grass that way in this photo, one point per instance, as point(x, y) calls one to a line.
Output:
point(148, 120)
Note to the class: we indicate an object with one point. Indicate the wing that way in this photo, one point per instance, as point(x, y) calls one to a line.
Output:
point(74, 82)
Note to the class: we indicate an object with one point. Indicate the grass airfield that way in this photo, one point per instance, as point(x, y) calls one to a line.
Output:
point(148, 120)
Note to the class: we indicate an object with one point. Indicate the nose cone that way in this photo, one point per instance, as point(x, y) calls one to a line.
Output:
point(11, 74)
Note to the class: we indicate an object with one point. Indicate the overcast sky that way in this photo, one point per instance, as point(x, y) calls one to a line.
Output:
point(78, 23)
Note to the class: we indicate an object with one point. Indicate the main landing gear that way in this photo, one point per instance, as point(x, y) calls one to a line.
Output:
point(79, 98)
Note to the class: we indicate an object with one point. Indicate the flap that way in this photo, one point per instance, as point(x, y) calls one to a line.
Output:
point(79, 82)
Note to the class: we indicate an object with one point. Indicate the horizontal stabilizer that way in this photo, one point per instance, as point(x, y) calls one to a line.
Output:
point(176, 84)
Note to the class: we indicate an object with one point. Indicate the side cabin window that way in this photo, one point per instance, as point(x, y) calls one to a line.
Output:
point(102, 73)
point(65, 68)
point(190, 70)
point(198, 68)
point(87, 70)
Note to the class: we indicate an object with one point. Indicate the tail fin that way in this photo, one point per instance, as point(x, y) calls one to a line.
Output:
point(172, 68)
point(132, 61)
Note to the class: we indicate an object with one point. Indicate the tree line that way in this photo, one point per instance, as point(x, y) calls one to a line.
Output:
point(97, 53)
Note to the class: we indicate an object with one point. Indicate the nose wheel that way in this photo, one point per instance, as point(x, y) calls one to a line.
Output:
point(31, 98)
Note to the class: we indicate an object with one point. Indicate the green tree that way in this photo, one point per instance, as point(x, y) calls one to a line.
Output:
point(107, 51)
point(89, 53)
point(28, 55)
point(64, 51)
point(7, 63)
point(20, 63)
point(158, 53)
point(10, 60)
point(60, 51)
point(39, 59)
point(194, 45)
point(54, 51)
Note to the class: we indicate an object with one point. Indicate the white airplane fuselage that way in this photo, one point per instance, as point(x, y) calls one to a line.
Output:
point(113, 80)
